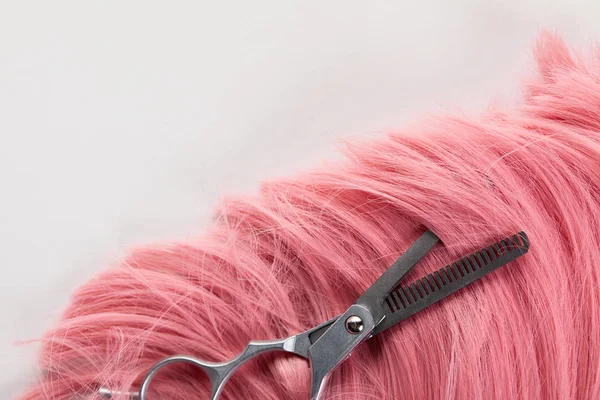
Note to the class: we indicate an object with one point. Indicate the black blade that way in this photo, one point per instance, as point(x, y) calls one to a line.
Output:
point(408, 300)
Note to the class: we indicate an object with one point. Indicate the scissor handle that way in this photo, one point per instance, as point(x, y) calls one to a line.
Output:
point(219, 372)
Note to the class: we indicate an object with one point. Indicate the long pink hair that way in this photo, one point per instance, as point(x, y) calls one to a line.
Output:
point(305, 248)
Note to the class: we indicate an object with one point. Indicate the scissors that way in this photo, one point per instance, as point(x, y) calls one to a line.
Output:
point(380, 307)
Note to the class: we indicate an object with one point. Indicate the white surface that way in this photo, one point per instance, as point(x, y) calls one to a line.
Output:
point(122, 122)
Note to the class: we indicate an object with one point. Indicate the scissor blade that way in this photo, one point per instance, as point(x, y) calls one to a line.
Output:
point(373, 298)
point(376, 294)
point(408, 300)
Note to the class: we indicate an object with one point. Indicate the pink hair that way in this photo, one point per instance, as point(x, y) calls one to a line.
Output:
point(302, 251)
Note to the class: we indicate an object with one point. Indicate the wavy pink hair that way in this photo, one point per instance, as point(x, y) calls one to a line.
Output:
point(302, 251)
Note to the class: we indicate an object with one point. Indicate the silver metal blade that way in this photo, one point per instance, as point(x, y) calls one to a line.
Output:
point(374, 297)
point(402, 304)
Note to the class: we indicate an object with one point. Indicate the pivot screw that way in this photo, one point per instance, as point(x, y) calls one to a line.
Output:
point(354, 325)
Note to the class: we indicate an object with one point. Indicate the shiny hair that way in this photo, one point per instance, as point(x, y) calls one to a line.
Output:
point(305, 248)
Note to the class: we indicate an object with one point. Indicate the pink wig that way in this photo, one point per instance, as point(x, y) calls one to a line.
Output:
point(305, 248)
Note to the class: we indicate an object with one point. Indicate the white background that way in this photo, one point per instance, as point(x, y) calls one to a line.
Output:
point(122, 122)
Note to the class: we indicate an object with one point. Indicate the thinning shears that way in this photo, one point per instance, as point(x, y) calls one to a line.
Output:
point(381, 306)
